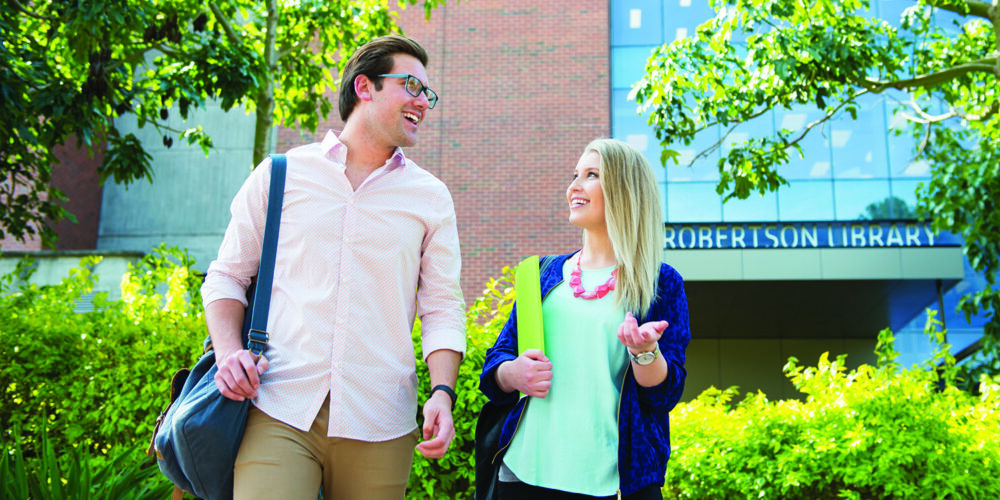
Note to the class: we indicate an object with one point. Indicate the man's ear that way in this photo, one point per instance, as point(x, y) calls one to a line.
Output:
point(363, 87)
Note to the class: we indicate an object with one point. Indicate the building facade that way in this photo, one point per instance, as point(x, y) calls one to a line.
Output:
point(524, 87)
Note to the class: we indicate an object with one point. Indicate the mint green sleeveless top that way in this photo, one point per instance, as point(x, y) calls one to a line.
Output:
point(569, 440)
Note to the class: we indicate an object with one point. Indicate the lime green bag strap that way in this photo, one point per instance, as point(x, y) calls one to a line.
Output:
point(528, 294)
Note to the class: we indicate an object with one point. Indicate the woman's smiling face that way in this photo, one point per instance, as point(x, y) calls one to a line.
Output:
point(585, 195)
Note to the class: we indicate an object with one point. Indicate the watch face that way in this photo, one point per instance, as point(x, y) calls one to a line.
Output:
point(645, 358)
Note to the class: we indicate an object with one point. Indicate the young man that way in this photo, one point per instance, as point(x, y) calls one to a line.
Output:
point(367, 237)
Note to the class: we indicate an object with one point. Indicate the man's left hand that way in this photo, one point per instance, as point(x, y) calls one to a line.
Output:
point(438, 424)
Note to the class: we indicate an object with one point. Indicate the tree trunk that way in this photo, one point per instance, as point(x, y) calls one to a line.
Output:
point(265, 97)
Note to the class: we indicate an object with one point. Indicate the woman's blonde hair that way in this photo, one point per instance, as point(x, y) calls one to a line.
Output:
point(634, 219)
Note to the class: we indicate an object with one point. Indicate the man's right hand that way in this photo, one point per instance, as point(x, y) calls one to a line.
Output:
point(238, 375)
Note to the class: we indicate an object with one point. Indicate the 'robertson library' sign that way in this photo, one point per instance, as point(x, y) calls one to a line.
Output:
point(847, 234)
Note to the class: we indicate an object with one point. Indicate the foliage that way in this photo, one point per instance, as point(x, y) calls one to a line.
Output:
point(91, 384)
point(72, 69)
point(873, 432)
point(759, 55)
point(890, 208)
point(75, 475)
point(454, 475)
point(102, 376)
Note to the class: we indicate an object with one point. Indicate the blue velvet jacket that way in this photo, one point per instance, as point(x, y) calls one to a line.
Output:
point(643, 422)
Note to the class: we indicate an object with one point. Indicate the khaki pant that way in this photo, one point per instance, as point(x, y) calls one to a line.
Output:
point(277, 461)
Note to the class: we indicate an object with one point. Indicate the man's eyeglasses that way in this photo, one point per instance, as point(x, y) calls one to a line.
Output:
point(414, 87)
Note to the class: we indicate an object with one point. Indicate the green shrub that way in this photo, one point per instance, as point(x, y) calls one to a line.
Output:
point(101, 377)
point(91, 384)
point(75, 475)
point(874, 432)
point(453, 476)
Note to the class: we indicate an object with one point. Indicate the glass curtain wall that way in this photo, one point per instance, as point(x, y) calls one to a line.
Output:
point(851, 169)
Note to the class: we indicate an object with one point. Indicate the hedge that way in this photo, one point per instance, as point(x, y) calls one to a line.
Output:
point(874, 432)
point(96, 380)
point(91, 384)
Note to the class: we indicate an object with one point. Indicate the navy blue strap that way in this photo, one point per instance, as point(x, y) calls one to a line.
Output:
point(257, 341)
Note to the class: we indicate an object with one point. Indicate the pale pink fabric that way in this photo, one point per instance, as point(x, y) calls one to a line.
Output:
point(351, 269)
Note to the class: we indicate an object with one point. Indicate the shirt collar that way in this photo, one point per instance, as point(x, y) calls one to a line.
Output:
point(337, 151)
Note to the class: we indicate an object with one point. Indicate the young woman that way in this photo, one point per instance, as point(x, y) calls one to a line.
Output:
point(594, 423)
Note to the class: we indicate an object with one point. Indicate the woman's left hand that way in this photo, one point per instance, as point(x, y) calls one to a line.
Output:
point(640, 338)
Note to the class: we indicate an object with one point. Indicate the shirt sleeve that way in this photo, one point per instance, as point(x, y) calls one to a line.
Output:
point(670, 305)
point(229, 275)
point(439, 292)
point(504, 349)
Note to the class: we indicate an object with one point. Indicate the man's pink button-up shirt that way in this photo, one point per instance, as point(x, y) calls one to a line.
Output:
point(352, 268)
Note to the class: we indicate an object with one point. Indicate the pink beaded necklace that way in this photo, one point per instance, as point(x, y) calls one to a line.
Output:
point(577, 286)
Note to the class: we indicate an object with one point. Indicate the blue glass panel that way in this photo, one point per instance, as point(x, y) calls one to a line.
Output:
point(892, 10)
point(753, 209)
point(705, 168)
point(950, 22)
point(762, 126)
point(902, 149)
point(682, 17)
point(906, 190)
point(806, 200)
point(625, 117)
point(629, 126)
point(852, 198)
point(628, 65)
point(636, 22)
point(961, 332)
point(814, 163)
point(663, 199)
point(693, 202)
point(859, 146)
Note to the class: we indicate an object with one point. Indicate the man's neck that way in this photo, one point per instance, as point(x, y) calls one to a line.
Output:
point(362, 153)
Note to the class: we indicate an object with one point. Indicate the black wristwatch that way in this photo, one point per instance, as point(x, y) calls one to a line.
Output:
point(448, 390)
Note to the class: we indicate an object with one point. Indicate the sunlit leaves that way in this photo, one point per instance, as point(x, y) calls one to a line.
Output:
point(69, 69)
point(937, 64)
point(881, 431)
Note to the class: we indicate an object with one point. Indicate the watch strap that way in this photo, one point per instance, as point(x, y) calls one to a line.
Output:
point(447, 390)
point(635, 357)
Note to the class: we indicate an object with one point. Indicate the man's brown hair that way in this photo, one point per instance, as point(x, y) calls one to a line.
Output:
point(372, 59)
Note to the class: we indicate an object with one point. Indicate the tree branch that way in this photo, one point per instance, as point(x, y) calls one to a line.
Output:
point(707, 151)
point(825, 118)
point(978, 118)
point(751, 117)
point(34, 15)
point(167, 50)
point(295, 47)
point(226, 26)
point(984, 65)
point(926, 118)
point(976, 8)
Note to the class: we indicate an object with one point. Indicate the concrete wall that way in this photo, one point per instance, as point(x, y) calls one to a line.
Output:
point(756, 363)
point(187, 204)
point(52, 267)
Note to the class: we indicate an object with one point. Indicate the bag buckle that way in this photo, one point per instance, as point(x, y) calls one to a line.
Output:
point(257, 341)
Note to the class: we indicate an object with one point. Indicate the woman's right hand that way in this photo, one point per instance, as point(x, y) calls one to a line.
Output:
point(530, 373)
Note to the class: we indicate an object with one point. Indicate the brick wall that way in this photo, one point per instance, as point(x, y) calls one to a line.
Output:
point(524, 86)
point(76, 176)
